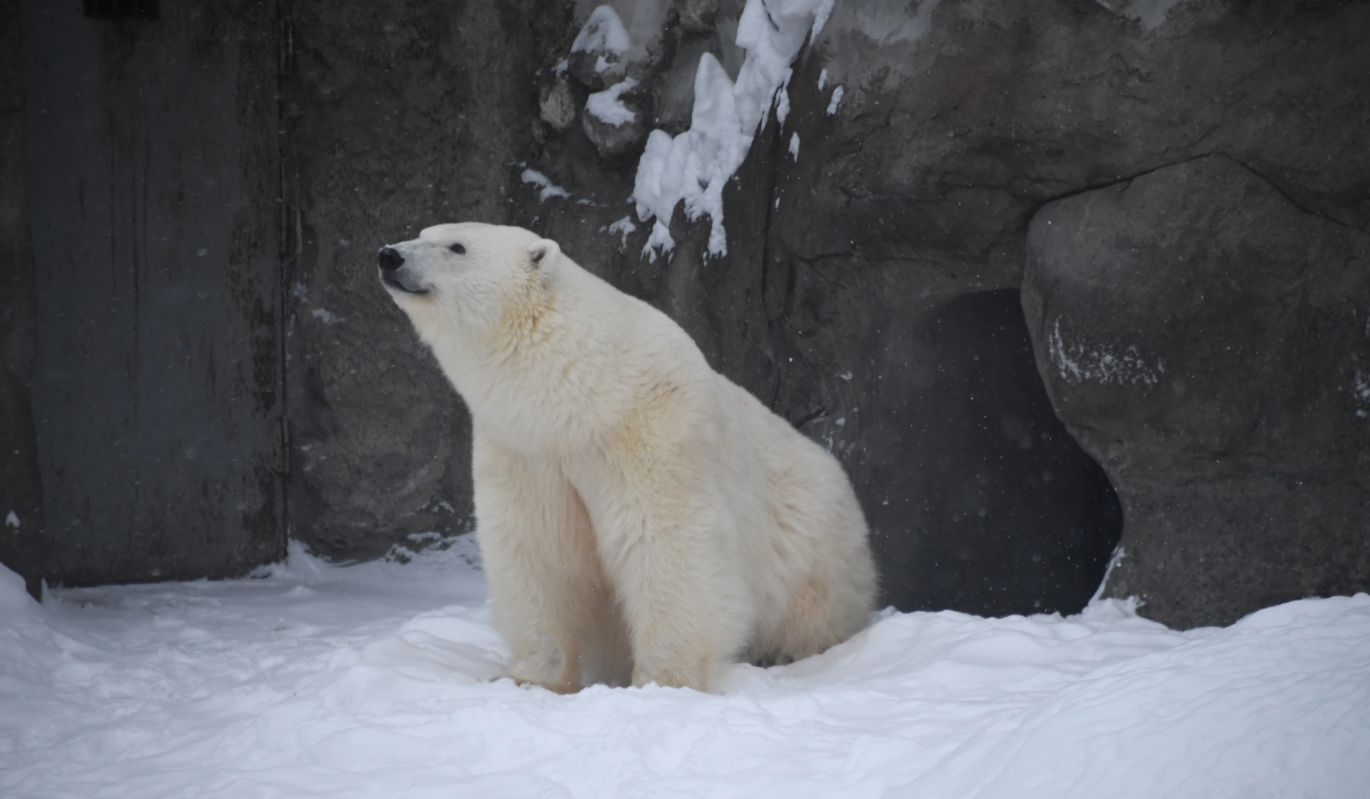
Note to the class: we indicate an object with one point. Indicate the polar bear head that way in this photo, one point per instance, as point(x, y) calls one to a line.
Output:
point(468, 278)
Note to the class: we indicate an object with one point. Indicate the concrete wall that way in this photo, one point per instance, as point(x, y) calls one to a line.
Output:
point(21, 491)
point(152, 176)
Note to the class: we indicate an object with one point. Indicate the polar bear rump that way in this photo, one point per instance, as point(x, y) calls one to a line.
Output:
point(641, 518)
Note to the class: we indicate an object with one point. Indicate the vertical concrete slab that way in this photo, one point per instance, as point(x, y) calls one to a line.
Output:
point(21, 491)
point(153, 182)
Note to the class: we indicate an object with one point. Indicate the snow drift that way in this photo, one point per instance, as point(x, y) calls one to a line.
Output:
point(381, 680)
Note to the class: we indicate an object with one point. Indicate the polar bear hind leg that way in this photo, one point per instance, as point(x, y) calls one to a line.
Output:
point(819, 518)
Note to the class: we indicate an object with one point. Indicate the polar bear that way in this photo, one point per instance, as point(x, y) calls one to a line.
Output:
point(641, 518)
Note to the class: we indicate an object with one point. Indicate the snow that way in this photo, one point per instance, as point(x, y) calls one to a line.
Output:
point(820, 18)
point(836, 99)
point(606, 106)
point(326, 316)
point(603, 32)
point(1079, 362)
point(623, 228)
point(694, 166)
point(549, 189)
point(782, 99)
point(794, 146)
point(375, 680)
point(12, 520)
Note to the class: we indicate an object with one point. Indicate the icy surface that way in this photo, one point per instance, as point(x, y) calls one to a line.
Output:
point(376, 681)
point(694, 166)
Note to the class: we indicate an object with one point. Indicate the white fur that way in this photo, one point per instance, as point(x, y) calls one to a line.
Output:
point(640, 517)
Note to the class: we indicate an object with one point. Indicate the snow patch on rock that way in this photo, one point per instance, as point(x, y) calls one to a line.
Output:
point(836, 100)
point(694, 167)
point(603, 32)
point(1079, 362)
point(622, 227)
point(606, 107)
point(549, 189)
point(782, 99)
point(820, 18)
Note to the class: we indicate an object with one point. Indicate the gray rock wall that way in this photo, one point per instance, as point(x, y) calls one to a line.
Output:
point(957, 121)
point(1209, 342)
point(916, 372)
point(398, 116)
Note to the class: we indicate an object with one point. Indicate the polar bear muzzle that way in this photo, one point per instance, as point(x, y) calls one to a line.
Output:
point(390, 261)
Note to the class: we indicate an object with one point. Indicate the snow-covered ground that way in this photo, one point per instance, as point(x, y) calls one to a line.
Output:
point(376, 680)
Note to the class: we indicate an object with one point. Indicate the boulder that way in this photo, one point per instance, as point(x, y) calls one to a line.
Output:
point(1208, 341)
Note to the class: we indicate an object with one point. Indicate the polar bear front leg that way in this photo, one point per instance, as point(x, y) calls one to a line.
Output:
point(550, 599)
point(668, 551)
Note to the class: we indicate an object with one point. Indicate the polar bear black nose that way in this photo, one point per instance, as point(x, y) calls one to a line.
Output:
point(389, 258)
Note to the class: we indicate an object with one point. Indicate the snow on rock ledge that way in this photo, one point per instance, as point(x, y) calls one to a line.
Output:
point(597, 54)
point(695, 166)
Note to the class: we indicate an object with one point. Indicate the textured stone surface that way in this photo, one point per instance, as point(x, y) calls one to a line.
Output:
point(400, 116)
point(865, 354)
point(1209, 342)
point(957, 121)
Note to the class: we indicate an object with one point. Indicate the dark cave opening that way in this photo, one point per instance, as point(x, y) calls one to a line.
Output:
point(999, 511)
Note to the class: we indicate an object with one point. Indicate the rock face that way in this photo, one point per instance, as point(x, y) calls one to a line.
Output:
point(877, 236)
point(398, 117)
point(1209, 342)
point(927, 135)
point(876, 240)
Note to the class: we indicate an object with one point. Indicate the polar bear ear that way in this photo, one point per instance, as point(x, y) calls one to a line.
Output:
point(541, 251)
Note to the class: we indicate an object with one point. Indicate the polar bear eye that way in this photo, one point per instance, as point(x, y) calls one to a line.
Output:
point(458, 249)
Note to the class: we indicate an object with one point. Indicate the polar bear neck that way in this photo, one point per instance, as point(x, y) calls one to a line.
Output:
point(558, 368)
